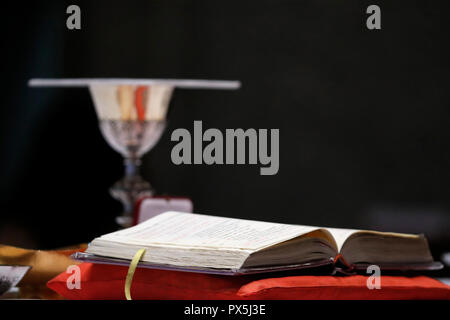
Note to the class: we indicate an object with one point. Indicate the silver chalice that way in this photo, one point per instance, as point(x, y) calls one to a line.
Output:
point(132, 117)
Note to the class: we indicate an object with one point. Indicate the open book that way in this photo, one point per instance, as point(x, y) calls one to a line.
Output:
point(202, 243)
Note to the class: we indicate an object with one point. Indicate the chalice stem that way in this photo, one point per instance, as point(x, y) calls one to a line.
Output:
point(129, 189)
point(132, 167)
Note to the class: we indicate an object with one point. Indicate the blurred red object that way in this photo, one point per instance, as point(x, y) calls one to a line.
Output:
point(148, 207)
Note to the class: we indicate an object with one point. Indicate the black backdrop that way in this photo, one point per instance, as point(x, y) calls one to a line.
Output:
point(364, 115)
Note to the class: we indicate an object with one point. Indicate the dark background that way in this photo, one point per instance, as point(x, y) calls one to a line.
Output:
point(364, 115)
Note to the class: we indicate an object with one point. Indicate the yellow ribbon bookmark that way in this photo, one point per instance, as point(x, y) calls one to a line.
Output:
point(131, 270)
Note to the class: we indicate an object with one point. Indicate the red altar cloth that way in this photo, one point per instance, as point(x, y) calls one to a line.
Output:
point(107, 282)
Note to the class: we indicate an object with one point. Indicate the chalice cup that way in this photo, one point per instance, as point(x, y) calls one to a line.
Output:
point(132, 118)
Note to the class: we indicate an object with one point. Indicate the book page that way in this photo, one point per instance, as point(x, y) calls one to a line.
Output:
point(340, 235)
point(196, 230)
